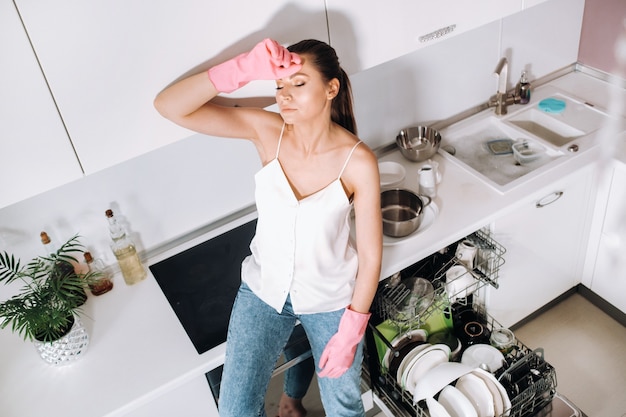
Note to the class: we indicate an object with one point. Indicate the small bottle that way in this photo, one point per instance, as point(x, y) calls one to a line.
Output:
point(125, 252)
point(61, 267)
point(103, 282)
point(523, 89)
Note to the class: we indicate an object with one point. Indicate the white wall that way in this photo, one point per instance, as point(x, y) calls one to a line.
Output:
point(161, 193)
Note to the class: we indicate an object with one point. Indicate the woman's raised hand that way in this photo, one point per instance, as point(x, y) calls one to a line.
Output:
point(268, 60)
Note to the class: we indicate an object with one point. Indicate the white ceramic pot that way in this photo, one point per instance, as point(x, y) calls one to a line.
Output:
point(67, 349)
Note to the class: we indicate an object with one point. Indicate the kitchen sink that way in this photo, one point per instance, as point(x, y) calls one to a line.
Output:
point(559, 128)
point(483, 143)
point(468, 144)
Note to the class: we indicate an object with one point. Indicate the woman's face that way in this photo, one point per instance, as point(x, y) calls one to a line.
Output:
point(305, 95)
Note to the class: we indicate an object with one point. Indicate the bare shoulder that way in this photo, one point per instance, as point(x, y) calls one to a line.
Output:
point(362, 170)
point(363, 158)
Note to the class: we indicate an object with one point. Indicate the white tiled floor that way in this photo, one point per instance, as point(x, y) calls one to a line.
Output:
point(587, 348)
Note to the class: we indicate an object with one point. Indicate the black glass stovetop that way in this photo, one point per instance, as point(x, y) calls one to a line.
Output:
point(201, 283)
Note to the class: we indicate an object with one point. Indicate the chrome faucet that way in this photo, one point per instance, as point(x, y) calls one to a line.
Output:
point(501, 100)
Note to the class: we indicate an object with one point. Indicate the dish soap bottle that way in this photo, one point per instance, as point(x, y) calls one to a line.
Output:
point(124, 250)
point(523, 89)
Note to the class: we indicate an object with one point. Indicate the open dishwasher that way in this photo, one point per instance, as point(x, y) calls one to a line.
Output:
point(433, 350)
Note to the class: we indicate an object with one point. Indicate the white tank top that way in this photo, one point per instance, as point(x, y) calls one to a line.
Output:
point(301, 248)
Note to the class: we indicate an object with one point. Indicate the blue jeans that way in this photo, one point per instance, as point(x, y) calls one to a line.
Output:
point(257, 335)
point(298, 377)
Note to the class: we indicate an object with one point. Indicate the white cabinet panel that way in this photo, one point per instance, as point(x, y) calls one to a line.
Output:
point(609, 276)
point(370, 32)
point(106, 60)
point(193, 399)
point(35, 152)
point(545, 248)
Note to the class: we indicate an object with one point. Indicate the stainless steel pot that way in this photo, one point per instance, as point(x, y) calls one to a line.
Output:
point(402, 211)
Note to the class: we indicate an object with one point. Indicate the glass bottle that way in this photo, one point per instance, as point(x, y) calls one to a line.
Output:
point(61, 267)
point(124, 249)
point(102, 283)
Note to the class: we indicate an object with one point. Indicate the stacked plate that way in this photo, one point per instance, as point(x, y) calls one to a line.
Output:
point(462, 391)
point(415, 358)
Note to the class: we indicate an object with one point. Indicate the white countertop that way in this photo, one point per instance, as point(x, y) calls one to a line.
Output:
point(139, 350)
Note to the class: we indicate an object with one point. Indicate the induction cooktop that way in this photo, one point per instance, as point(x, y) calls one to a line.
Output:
point(201, 283)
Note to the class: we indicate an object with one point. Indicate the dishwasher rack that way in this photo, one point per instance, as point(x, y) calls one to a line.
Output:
point(489, 259)
point(530, 380)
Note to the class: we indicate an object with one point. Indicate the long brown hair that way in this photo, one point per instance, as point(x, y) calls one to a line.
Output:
point(324, 58)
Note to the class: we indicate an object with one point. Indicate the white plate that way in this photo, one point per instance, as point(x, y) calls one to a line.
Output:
point(477, 392)
point(455, 403)
point(403, 376)
point(408, 358)
point(501, 401)
point(437, 378)
point(417, 334)
point(391, 174)
point(435, 409)
point(476, 355)
point(423, 364)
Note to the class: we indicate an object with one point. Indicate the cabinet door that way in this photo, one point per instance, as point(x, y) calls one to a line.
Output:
point(609, 275)
point(545, 241)
point(106, 60)
point(35, 152)
point(370, 32)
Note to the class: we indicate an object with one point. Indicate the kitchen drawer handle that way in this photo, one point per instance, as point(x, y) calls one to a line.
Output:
point(549, 199)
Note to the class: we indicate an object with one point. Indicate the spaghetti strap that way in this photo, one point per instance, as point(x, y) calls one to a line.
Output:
point(345, 164)
point(280, 139)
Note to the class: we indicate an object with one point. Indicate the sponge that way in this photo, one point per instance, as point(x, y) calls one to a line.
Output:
point(552, 105)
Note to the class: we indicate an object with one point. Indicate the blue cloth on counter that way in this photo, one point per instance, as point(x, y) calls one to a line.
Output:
point(552, 105)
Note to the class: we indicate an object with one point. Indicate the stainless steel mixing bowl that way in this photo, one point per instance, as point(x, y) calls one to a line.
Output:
point(418, 143)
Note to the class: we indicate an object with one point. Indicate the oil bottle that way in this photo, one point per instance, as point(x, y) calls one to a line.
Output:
point(124, 250)
point(103, 284)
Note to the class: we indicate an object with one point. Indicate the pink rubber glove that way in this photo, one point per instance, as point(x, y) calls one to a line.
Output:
point(339, 353)
point(268, 60)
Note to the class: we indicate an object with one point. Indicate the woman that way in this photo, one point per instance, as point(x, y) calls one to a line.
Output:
point(303, 266)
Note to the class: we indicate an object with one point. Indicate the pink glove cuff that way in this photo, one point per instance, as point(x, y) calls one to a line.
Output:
point(354, 322)
point(338, 354)
point(268, 60)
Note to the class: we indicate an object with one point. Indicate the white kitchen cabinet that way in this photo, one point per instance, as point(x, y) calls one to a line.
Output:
point(545, 240)
point(192, 399)
point(609, 274)
point(531, 3)
point(370, 32)
point(36, 154)
point(106, 60)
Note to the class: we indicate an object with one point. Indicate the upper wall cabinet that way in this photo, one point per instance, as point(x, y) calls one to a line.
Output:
point(35, 152)
point(106, 60)
point(370, 32)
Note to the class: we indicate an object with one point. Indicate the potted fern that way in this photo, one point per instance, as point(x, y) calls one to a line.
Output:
point(46, 310)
